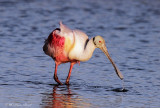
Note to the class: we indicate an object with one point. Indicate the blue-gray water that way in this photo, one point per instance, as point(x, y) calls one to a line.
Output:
point(131, 29)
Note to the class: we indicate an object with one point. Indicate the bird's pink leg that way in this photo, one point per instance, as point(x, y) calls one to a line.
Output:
point(69, 74)
point(55, 74)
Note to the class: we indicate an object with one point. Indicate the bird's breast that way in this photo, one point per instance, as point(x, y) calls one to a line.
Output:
point(68, 45)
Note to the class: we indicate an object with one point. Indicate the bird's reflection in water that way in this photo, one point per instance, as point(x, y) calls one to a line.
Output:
point(63, 97)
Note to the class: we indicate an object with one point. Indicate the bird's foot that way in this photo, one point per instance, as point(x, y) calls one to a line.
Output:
point(67, 82)
point(57, 80)
point(59, 83)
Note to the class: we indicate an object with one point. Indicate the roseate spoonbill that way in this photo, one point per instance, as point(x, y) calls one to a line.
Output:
point(66, 45)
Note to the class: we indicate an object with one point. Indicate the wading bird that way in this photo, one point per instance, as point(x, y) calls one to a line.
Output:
point(65, 45)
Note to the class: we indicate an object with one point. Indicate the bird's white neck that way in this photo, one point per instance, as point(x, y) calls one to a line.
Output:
point(82, 52)
point(88, 51)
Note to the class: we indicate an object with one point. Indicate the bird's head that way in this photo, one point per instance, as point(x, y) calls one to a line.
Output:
point(99, 42)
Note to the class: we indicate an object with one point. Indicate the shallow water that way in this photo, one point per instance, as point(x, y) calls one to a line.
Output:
point(132, 33)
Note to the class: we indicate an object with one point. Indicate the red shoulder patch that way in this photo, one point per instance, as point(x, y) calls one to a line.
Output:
point(56, 40)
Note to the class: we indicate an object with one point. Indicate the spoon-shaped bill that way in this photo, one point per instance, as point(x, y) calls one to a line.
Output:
point(104, 49)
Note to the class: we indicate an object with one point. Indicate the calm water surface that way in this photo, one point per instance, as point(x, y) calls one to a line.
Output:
point(132, 33)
